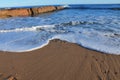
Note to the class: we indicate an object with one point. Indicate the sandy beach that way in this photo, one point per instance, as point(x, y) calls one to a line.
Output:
point(59, 60)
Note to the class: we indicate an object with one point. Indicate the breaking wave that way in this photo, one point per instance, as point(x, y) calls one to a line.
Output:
point(47, 27)
point(34, 28)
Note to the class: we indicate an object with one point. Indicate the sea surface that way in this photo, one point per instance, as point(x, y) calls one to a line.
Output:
point(96, 27)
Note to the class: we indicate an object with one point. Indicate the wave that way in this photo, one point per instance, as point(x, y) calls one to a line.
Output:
point(66, 6)
point(90, 38)
point(34, 28)
point(74, 23)
point(47, 27)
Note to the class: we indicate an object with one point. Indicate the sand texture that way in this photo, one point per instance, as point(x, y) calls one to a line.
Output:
point(59, 60)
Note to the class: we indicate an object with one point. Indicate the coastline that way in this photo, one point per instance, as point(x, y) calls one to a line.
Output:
point(59, 60)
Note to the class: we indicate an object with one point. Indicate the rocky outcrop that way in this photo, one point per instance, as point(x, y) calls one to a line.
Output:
point(35, 11)
point(60, 7)
point(27, 11)
point(14, 13)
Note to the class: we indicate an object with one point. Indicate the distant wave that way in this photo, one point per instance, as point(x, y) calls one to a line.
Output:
point(66, 6)
point(92, 8)
point(96, 6)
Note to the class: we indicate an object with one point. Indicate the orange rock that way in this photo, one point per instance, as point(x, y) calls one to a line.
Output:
point(60, 7)
point(27, 11)
point(14, 12)
point(46, 9)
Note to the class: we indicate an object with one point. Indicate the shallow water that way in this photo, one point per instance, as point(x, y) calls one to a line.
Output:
point(92, 28)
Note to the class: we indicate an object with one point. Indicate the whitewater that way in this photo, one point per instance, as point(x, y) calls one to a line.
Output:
point(95, 29)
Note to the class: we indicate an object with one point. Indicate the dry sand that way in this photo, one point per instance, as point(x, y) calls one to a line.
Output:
point(59, 60)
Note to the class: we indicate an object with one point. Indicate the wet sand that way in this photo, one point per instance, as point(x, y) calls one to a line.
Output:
point(59, 60)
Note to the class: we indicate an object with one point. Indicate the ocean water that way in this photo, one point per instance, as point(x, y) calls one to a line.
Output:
point(96, 28)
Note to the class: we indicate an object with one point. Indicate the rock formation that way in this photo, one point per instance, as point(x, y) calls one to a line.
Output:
point(18, 12)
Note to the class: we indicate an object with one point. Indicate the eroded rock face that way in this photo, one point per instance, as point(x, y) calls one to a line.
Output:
point(27, 11)
point(46, 9)
point(14, 12)
point(60, 7)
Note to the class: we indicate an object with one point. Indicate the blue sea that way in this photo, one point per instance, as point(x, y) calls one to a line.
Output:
point(96, 27)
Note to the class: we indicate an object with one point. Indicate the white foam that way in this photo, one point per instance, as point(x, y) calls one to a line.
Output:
point(34, 28)
point(66, 6)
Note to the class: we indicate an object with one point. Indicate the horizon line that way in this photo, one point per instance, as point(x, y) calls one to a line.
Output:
point(61, 4)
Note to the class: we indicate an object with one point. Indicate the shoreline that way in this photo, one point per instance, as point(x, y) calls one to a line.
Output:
point(51, 40)
point(59, 60)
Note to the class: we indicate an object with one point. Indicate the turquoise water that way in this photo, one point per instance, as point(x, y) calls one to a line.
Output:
point(97, 29)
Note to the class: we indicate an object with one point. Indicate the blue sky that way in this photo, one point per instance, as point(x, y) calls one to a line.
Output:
point(12, 3)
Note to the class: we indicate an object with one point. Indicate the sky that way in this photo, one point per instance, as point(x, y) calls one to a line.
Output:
point(13, 3)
